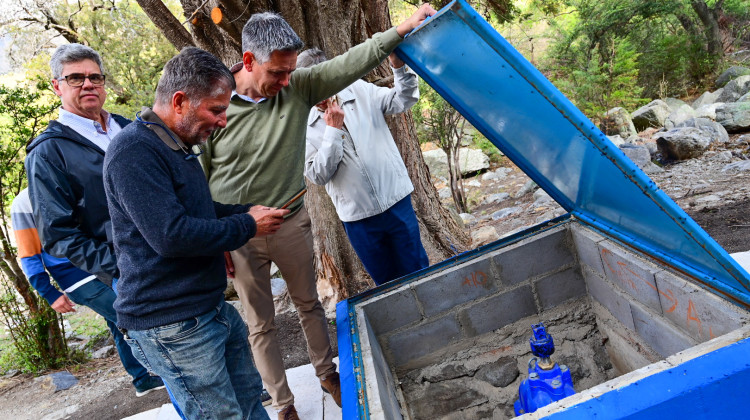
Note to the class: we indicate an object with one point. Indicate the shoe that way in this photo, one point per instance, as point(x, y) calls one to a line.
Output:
point(152, 383)
point(332, 385)
point(289, 413)
point(265, 397)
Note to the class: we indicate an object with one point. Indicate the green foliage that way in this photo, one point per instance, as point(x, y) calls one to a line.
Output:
point(32, 350)
point(485, 145)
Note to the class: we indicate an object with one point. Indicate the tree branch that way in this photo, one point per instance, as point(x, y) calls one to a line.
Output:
point(175, 33)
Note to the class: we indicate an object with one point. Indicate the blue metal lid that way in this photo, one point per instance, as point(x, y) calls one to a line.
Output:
point(506, 98)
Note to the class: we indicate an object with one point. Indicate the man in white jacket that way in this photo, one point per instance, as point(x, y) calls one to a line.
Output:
point(350, 150)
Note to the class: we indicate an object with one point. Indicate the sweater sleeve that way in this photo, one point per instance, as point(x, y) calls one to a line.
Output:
point(140, 192)
point(326, 79)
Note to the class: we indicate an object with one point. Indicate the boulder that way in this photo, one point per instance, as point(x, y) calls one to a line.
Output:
point(735, 117)
point(618, 121)
point(103, 352)
point(707, 98)
point(707, 111)
point(437, 162)
point(682, 143)
point(641, 157)
point(714, 130)
point(472, 161)
point(735, 89)
point(743, 165)
point(678, 115)
point(528, 187)
point(468, 219)
point(496, 198)
point(744, 98)
point(731, 74)
point(508, 211)
point(674, 103)
point(59, 381)
point(651, 115)
point(484, 235)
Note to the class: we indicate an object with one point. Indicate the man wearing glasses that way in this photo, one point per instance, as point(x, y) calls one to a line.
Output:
point(64, 169)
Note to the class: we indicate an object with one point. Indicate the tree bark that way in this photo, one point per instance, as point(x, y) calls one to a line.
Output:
point(710, 19)
point(334, 26)
point(175, 33)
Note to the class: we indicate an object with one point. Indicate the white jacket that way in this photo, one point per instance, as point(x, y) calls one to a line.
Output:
point(360, 165)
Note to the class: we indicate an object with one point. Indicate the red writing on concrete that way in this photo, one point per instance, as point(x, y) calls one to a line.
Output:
point(692, 315)
point(476, 278)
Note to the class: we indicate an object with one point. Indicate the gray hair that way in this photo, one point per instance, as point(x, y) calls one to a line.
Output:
point(72, 53)
point(195, 72)
point(310, 57)
point(267, 32)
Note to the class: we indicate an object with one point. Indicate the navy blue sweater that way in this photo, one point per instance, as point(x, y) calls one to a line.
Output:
point(169, 235)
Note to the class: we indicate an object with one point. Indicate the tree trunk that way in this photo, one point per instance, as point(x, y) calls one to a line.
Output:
point(710, 19)
point(334, 26)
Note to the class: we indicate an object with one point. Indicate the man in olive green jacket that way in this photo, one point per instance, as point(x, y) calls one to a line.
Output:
point(259, 157)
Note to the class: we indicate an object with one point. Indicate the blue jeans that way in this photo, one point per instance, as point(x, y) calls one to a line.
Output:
point(100, 298)
point(388, 244)
point(206, 363)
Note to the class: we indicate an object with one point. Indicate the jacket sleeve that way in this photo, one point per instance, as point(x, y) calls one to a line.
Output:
point(403, 95)
point(326, 79)
point(53, 201)
point(321, 162)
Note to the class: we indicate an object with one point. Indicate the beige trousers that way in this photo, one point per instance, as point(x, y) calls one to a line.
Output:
point(291, 248)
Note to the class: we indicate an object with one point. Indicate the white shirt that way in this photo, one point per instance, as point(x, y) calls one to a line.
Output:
point(90, 129)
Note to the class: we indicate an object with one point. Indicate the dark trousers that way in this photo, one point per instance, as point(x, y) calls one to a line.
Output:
point(388, 243)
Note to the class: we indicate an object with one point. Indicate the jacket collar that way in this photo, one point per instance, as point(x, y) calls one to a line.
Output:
point(157, 126)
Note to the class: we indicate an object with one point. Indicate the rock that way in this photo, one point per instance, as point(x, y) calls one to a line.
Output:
point(500, 373)
point(444, 192)
point(528, 187)
point(722, 157)
point(103, 352)
point(472, 160)
point(437, 162)
point(641, 157)
point(490, 176)
point(505, 212)
point(496, 198)
point(707, 111)
point(59, 381)
point(11, 373)
point(735, 89)
point(682, 143)
point(447, 373)
point(541, 197)
point(651, 146)
point(730, 74)
point(735, 117)
point(707, 98)
point(714, 130)
point(617, 140)
point(484, 235)
point(651, 115)
point(468, 219)
point(278, 286)
point(618, 121)
point(678, 115)
point(743, 165)
point(473, 183)
point(442, 399)
point(674, 103)
point(744, 98)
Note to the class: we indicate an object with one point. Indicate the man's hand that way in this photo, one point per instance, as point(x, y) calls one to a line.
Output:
point(415, 20)
point(267, 219)
point(396, 62)
point(63, 305)
point(334, 115)
point(229, 264)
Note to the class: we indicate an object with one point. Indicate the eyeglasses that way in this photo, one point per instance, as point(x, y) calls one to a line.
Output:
point(77, 79)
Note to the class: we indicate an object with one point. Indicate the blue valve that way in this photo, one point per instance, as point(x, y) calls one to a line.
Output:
point(547, 381)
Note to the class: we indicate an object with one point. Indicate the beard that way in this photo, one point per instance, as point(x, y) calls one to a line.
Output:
point(188, 129)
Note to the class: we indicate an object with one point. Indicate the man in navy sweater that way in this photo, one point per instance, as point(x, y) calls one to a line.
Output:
point(169, 237)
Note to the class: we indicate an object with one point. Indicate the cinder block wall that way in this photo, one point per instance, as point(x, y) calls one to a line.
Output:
point(417, 323)
point(666, 311)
